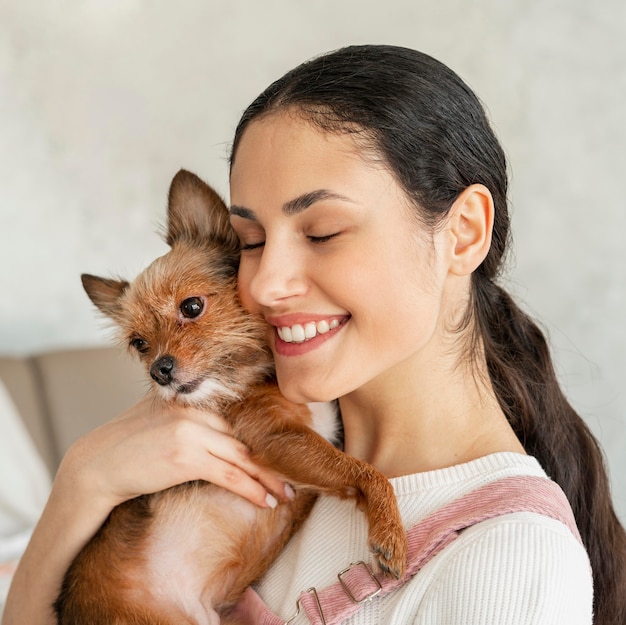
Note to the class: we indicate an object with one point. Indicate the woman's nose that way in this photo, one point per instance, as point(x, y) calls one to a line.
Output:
point(279, 275)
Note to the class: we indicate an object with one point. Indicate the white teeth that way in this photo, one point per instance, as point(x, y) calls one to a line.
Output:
point(323, 327)
point(285, 334)
point(299, 333)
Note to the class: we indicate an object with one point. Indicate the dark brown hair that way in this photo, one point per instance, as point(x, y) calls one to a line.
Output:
point(432, 132)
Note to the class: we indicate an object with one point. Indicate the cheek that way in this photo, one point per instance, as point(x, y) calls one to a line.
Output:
point(401, 297)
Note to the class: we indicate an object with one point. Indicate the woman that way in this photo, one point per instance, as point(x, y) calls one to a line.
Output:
point(369, 195)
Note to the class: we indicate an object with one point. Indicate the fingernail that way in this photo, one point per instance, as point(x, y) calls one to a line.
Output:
point(290, 493)
point(270, 500)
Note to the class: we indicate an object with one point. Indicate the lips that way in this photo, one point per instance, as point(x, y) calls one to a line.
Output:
point(300, 333)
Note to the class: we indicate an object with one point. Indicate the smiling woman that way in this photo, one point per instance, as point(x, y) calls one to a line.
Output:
point(439, 375)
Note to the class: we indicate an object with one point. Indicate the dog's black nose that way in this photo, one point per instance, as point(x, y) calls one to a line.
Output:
point(162, 370)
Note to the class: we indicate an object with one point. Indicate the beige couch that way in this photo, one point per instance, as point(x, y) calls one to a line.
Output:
point(63, 394)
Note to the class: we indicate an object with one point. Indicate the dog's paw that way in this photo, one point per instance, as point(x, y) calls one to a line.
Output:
point(388, 542)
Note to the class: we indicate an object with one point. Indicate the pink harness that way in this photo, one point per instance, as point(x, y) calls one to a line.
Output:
point(357, 583)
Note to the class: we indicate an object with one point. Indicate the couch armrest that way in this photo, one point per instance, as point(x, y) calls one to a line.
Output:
point(63, 394)
point(83, 388)
point(21, 379)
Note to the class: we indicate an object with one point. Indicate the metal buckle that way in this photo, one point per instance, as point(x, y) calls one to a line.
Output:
point(313, 591)
point(372, 577)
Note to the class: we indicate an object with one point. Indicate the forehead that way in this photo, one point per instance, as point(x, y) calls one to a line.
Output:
point(286, 154)
point(315, 126)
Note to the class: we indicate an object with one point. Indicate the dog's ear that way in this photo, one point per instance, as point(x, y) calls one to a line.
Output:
point(196, 211)
point(104, 293)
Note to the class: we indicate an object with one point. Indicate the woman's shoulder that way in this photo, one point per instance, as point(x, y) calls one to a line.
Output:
point(527, 554)
point(421, 494)
point(534, 564)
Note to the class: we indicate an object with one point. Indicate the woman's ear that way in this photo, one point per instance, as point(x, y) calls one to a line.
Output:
point(470, 221)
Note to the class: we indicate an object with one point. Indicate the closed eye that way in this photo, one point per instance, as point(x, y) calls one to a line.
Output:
point(246, 247)
point(323, 239)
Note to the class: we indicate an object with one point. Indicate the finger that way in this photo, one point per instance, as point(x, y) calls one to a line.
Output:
point(271, 482)
point(236, 453)
point(236, 480)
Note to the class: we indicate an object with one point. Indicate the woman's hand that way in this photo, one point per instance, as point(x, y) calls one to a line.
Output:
point(150, 447)
point(153, 446)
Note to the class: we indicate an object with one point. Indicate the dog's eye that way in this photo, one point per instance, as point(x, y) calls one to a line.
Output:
point(140, 345)
point(192, 307)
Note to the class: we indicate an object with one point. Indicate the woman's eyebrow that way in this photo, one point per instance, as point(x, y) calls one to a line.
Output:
point(242, 211)
point(295, 206)
point(301, 203)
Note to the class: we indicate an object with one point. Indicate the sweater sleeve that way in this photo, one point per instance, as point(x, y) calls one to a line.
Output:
point(523, 569)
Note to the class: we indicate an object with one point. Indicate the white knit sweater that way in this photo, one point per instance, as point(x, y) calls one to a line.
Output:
point(518, 569)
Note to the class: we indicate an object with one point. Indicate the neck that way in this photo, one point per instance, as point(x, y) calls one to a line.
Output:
point(408, 421)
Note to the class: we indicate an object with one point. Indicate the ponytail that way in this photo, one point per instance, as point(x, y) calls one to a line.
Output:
point(525, 383)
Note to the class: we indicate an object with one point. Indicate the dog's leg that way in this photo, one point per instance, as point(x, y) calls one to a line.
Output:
point(311, 461)
point(304, 458)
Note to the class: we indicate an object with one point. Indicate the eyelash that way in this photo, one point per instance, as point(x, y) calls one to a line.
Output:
point(316, 240)
point(251, 246)
point(323, 239)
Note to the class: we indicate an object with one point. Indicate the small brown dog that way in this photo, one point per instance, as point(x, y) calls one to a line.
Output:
point(185, 555)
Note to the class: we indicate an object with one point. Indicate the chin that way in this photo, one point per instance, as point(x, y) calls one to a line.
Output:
point(300, 395)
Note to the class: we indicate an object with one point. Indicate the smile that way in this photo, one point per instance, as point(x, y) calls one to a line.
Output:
point(300, 333)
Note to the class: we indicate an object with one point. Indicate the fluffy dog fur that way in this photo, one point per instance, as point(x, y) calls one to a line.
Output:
point(185, 555)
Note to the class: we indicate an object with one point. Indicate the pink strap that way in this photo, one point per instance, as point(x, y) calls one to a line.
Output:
point(358, 584)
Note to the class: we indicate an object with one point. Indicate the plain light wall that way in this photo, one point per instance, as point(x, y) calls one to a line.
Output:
point(102, 101)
